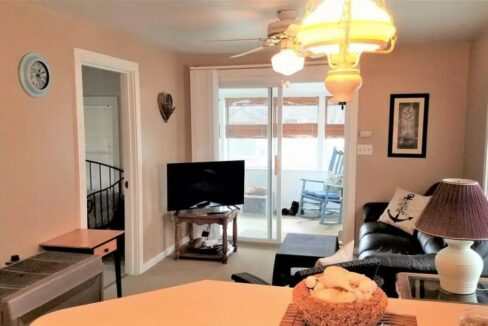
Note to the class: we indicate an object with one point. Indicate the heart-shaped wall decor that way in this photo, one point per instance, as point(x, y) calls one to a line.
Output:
point(165, 103)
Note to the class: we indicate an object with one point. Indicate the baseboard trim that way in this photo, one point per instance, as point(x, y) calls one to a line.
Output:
point(163, 254)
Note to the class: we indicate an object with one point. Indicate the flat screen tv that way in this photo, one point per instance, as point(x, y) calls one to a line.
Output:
point(193, 185)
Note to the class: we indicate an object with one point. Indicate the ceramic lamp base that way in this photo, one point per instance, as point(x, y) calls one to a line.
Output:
point(459, 267)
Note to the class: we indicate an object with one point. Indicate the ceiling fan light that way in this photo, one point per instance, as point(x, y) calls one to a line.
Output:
point(287, 62)
point(343, 83)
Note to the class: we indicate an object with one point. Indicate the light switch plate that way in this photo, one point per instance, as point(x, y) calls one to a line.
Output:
point(365, 149)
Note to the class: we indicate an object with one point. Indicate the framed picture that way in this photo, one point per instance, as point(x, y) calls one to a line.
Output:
point(407, 135)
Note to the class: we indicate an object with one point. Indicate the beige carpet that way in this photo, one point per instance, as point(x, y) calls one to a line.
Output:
point(253, 258)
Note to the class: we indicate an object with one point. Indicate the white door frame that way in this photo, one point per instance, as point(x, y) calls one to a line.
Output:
point(350, 133)
point(131, 148)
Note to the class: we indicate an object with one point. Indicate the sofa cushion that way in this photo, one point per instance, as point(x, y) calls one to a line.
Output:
point(404, 209)
point(429, 244)
point(393, 264)
point(379, 227)
point(481, 247)
point(386, 244)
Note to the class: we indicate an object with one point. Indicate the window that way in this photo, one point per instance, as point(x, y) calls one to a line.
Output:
point(312, 127)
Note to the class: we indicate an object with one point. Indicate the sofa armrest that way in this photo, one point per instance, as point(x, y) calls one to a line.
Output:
point(248, 278)
point(372, 211)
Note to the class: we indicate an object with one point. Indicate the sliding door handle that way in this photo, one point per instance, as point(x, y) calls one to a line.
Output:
point(277, 165)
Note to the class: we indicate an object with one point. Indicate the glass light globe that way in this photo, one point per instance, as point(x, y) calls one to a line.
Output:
point(287, 62)
point(343, 83)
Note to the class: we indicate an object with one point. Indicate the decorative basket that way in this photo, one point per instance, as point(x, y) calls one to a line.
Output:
point(317, 312)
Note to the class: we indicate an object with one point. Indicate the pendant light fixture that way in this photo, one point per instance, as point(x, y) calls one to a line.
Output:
point(342, 30)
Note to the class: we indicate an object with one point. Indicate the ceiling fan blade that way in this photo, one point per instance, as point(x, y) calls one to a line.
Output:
point(249, 52)
point(292, 30)
point(236, 40)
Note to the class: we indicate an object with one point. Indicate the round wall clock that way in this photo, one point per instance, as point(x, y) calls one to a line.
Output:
point(34, 74)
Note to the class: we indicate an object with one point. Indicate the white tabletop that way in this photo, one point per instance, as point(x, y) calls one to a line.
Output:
point(216, 303)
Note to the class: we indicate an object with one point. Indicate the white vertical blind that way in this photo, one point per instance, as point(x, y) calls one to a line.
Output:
point(204, 89)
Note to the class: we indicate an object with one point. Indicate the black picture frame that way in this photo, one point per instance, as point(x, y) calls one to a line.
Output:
point(407, 132)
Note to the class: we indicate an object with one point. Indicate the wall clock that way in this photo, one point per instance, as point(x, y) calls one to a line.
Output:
point(34, 74)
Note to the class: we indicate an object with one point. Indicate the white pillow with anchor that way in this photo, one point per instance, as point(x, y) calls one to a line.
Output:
point(404, 209)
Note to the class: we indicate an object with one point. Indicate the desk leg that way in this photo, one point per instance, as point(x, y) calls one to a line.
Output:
point(177, 239)
point(234, 233)
point(118, 276)
point(224, 242)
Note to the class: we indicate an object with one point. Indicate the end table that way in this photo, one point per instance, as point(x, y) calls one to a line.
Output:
point(427, 287)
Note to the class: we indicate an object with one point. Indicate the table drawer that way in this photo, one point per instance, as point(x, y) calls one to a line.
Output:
point(106, 248)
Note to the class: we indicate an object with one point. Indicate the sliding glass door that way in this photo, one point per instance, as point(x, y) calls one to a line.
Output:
point(312, 130)
point(285, 135)
point(245, 120)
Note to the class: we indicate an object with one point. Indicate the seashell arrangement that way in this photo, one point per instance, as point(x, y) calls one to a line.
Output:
point(338, 285)
point(338, 297)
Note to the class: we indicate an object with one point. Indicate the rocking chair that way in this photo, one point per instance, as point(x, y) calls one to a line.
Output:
point(331, 193)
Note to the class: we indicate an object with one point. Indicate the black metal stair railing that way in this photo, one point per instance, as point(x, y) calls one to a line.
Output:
point(104, 194)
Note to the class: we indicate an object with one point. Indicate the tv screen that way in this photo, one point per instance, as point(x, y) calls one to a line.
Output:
point(190, 184)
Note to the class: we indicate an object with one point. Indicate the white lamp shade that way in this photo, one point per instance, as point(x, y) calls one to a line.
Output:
point(287, 62)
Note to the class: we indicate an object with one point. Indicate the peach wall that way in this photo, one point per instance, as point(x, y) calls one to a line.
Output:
point(477, 110)
point(38, 147)
point(442, 71)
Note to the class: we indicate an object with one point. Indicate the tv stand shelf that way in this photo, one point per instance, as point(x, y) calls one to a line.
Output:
point(196, 217)
point(187, 252)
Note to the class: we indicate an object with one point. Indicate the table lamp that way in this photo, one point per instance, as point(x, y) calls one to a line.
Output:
point(457, 212)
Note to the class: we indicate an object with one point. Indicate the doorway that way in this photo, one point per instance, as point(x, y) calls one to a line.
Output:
point(103, 154)
point(109, 133)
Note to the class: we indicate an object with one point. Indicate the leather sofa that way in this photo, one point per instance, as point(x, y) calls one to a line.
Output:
point(399, 251)
point(368, 267)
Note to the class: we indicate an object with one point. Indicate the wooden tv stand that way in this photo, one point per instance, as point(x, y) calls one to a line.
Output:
point(200, 218)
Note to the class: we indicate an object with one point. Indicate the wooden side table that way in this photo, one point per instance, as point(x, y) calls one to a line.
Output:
point(96, 242)
point(191, 218)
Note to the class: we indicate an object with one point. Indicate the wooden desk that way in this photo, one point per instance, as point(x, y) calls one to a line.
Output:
point(238, 305)
point(191, 218)
point(96, 242)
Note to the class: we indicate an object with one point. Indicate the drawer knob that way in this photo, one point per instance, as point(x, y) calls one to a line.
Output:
point(106, 250)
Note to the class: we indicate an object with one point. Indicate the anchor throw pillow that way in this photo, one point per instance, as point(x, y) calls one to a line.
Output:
point(404, 209)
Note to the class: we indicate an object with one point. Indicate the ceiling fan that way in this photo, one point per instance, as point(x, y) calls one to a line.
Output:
point(284, 28)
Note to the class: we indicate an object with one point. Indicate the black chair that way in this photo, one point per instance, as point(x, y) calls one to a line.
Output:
point(368, 267)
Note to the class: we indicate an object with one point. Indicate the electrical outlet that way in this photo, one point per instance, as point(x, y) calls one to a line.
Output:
point(365, 149)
